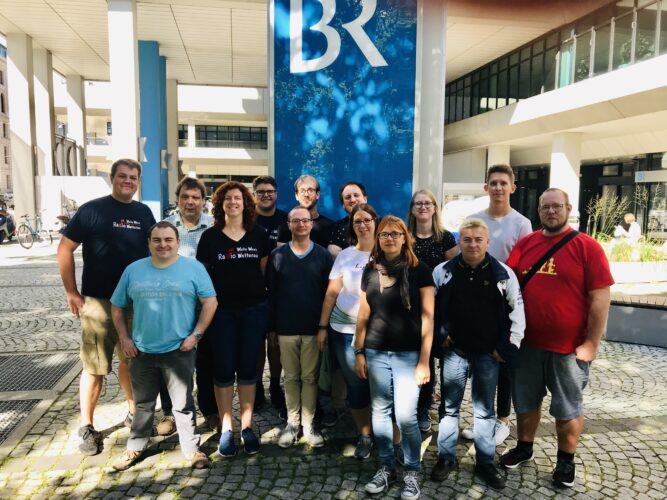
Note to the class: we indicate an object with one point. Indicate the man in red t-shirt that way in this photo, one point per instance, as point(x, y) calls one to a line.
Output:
point(566, 304)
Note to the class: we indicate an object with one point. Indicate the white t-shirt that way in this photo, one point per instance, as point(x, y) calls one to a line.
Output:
point(504, 232)
point(348, 266)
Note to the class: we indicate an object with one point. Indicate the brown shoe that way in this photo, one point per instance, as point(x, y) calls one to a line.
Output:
point(166, 426)
point(213, 422)
point(127, 460)
point(199, 460)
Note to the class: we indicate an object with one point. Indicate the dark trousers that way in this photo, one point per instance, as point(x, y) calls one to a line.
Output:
point(426, 390)
point(504, 397)
point(204, 377)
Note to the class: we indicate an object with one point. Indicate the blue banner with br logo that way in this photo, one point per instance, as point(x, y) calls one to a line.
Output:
point(344, 98)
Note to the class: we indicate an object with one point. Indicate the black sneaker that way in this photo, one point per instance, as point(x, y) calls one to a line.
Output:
point(381, 481)
point(515, 457)
point(564, 474)
point(442, 469)
point(490, 475)
point(90, 441)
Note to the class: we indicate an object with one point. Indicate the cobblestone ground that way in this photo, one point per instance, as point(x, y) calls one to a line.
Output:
point(623, 452)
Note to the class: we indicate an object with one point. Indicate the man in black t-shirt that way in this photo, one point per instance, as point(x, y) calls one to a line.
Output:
point(307, 193)
point(351, 194)
point(114, 232)
point(270, 218)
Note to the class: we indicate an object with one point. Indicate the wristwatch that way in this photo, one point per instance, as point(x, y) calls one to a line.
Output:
point(198, 336)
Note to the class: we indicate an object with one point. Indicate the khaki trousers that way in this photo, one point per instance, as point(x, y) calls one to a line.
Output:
point(300, 358)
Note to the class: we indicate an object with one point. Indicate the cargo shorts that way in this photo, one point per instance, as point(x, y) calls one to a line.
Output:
point(99, 337)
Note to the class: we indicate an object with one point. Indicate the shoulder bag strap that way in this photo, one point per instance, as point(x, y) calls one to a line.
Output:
point(536, 267)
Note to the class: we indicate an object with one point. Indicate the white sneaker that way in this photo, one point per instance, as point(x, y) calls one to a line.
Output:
point(468, 433)
point(502, 432)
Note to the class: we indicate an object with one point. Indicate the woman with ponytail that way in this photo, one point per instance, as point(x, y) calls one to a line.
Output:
point(392, 348)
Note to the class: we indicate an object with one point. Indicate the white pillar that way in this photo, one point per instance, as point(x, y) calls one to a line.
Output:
point(172, 138)
point(497, 154)
point(21, 101)
point(45, 116)
point(76, 119)
point(430, 96)
point(192, 135)
point(566, 166)
point(124, 76)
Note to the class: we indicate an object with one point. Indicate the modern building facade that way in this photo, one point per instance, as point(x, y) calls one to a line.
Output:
point(5, 143)
point(571, 94)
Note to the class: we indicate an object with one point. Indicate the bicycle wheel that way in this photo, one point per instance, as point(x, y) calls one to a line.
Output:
point(46, 236)
point(24, 235)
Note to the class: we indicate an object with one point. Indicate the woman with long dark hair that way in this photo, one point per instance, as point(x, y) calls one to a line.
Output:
point(235, 252)
point(392, 347)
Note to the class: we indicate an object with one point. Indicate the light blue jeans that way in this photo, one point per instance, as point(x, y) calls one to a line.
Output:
point(394, 389)
point(455, 370)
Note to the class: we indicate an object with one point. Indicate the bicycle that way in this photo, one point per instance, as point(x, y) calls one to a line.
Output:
point(26, 234)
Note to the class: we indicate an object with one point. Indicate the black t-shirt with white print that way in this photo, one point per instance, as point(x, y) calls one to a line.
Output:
point(234, 266)
point(113, 234)
point(271, 224)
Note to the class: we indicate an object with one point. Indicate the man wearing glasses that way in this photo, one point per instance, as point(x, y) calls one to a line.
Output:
point(271, 219)
point(307, 193)
point(298, 275)
point(566, 301)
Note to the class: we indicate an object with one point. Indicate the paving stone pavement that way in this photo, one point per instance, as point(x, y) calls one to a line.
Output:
point(623, 453)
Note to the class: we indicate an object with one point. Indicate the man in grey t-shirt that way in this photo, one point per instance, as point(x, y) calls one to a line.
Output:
point(506, 227)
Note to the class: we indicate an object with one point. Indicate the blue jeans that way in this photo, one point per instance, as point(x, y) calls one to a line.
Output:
point(237, 334)
point(358, 392)
point(394, 389)
point(455, 370)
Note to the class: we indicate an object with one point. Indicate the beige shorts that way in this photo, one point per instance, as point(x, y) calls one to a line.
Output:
point(99, 337)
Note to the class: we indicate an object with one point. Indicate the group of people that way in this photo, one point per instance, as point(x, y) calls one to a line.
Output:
point(370, 298)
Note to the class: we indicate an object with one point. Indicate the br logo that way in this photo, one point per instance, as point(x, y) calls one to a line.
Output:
point(355, 28)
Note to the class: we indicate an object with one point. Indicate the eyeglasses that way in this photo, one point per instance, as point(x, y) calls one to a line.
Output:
point(301, 221)
point(309, 191)
point(425, 204)
point(394, 235)
point(365, 222)
point(265, 192)
point(556, 207)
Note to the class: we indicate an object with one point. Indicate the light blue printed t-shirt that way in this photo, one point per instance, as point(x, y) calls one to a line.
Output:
point(163, 300)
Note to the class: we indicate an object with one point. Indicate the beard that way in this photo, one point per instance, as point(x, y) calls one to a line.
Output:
point(556, 227)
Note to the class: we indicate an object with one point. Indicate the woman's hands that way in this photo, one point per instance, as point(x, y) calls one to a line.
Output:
point(422, 373)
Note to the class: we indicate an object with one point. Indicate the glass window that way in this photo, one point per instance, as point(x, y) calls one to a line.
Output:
point(622, 55)
point(663, 28)
point(466, 102)
point(502, 89)
point(459, 105)
point(538, 47)
point(475, 77)
point(536, 76)
point(513, 89)
point(474, 99)
point(484, 95)
point(514, 58)
point(492, 102)
point(502, 64)
point(582, 61)
point(2, 77)
point(550, 69)
point(525, 53)
point(524, 80)
point(565, 60)
point(601, 53)
point(552, 40)
point(645, 32)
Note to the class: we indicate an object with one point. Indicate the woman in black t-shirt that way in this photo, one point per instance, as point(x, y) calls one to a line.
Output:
point(433, 244)
point(392, 346)
point(235, 252)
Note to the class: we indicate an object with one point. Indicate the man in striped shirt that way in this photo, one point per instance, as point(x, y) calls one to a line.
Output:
point(191, 222)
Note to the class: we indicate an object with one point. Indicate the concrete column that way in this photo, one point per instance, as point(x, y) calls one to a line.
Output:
point(497, 154)
point(21, 103)
point(124, 76)
point(566, 166)
point(172, 138)
point(76, 119)
point(45, 117)
point(192, 135)
point(430, 96)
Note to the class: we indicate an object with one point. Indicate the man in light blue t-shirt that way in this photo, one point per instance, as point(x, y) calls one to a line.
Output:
point(163, 290)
